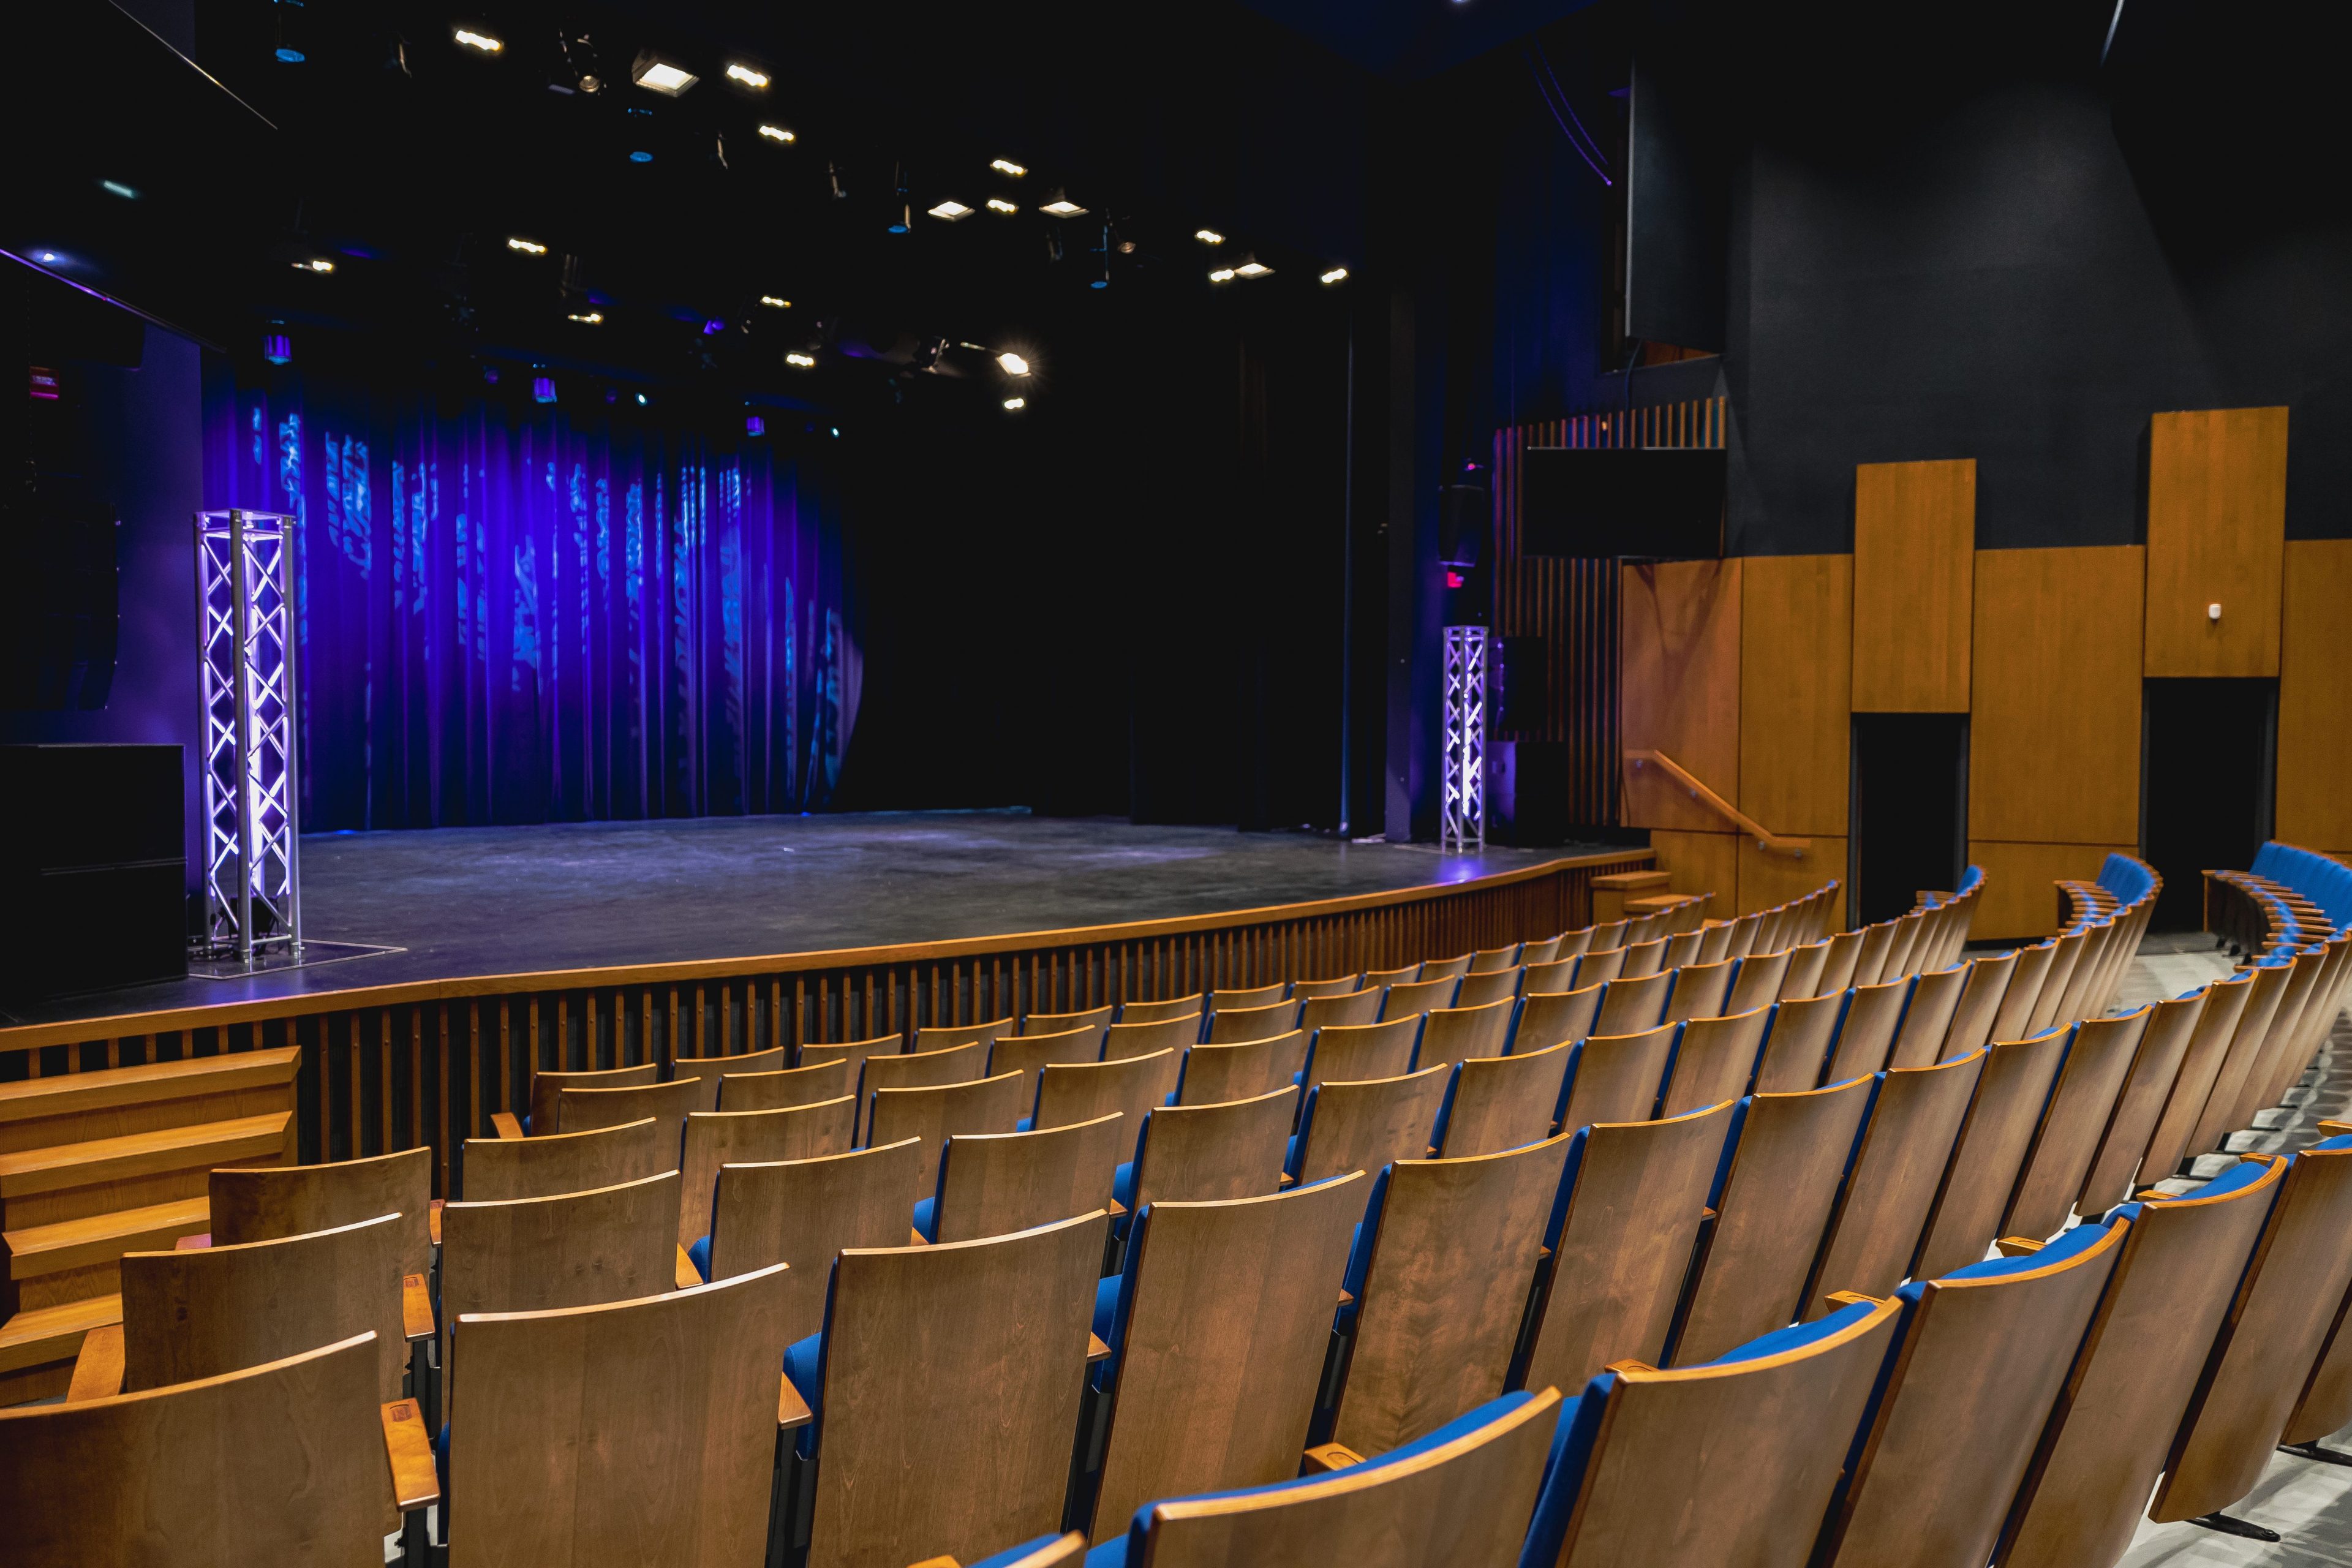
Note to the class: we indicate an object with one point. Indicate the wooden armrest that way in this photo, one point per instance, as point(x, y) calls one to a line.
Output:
point(791, 1410)
point(1117, 1208)
point(2332, 1126)
point(1346, 1299)
point(505, 1124)
point(917, 1239)
point(1852, 1298)
point(1096, 1350)
point(689, 1276)
point(2017, 1245)
point(2149, 1194)
point(1543, 1253)
point(433, 1220)
point(414, 1482)
point(937, 1562)
point(1706, 1214)
point(1628, 1366)
point(415, 1307)
point(196, 1243)
point(98, 1370)
point(1286, 1183)
point(1328, 1456)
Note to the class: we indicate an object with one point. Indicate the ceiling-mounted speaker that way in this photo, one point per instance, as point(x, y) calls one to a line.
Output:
point(1466, 513)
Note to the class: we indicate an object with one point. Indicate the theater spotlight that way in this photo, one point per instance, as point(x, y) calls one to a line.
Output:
point(1336, 275)
point(777, 133)
point(1015, 405)
point(800, 361)
point(316, 263)
point(1013, 363)
point(1208, 236)
point(482, 42)
point(587, 318)
point(542, 388)
point(756, 81)
point(999, 204)
point(528, 247)
point(952, 210)
point(1007, 167)
point(1221, 275)
point(775, 302)
point(1250, 266)
point(653, 72)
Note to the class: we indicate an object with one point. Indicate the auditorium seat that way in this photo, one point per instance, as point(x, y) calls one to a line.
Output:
point(263, 1203)
point(1451, 1034)
point(1550, 979)
point(718, 1138)
point(1247, 996)
point(1162, 1012)
point(1606, 934)
point(1632, 1004)
point(1865, 1031)
point(1029, 1053)
point(1615, 1077)
point(1350, 1010)
point(1235, 1026)
point(1216, 1073)
point(2064, 960)
point(2218, 1121)
point(965, 1063)
point(946, 1036)
point(2155, 1067)
point(1755, 982)
point(1599, 967)
point(1700, 990)
point(2011, 1092)
point(2082, 1101)
point(1440, 1274)
point(1336, 985)
point(1928, 1017)
point(1065, 1551)
point(811, 1085)
point(1785, 1158)
point(1916, 1116)
point(1489, 959)
point(1095, 1018)
point(500, 1170)
point(1555, 1018)
point(1797, 1042)
point(1644, 960)
point(1621, 1230)
point(1838, 962)
point(1080, 1092)
point(1411, 997)
point(1730, 1462)
point(1445, 968)
point(1870, 962)
point(1381, 979)
point(2283, 1052)
point(1542, 950)
point(545, 1086)
point(708, 1070)
point(2024, 989)
point(1715, 941)
point(934, 1113)
point(1494, 1103)
point(593, 1110)
point(1714, 1061)
point(1803, 978)
point(1986, 982)
point(994, 1183)
point(1206, 1154)
point(1362, 1126)
point(992, 1414)
point(1354, 1053)
point(1682, 949)
point(1979, 1359)
point(2167, 1147)
point(1490, 986)
point(1124, 1040)
point(852, 1055)
point(803, 1213)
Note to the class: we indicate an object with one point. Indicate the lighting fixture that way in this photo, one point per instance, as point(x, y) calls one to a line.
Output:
point(802, 359)
point(1336, 275)
point(291, 56)
point(542, 389)
point(116, 187)
point(643, 400)
point(952, 210)
point(1251, 268)
point(316, 263)
point(587, 318)
point(641, 157)
point(1007, 167)
point(1013, 363)
point(754, 426)
point(482, 41)
point(1221, 275)
point(653, 72)
point(276, 347)
point(747, 76)
point(774, 303)
point(999, 204)
point(777, 133)
point(1063, 206)
point(1208, 236)
point(906, 219)
point(528, 247)
point(1016, 402)
point(53, 256)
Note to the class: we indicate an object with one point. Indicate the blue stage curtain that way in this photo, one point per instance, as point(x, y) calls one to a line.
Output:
point(528, 613)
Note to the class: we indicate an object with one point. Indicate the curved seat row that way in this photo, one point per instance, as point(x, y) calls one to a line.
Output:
point(2291, 896)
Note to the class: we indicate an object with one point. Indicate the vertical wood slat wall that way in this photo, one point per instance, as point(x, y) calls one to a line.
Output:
point(429, 1064)
point(1572, 603)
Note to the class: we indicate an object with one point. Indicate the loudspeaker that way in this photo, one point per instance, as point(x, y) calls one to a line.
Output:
point(1527, 791)
point(1521, 683)
point(1466, 514)
point(93, 874)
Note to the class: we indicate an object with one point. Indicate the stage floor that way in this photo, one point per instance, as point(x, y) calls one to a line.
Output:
point(494, 901)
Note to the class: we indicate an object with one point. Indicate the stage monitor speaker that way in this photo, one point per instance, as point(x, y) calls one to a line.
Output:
point(93, 874)
point(1651, 504)
point(1527, 791)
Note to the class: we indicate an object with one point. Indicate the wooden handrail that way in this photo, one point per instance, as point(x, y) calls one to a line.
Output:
point(1765, 837)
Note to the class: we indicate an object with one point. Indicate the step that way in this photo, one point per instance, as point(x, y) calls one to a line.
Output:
point(70, 1094)
point(102, 1237)
point(44, 1334)
point(202, 1145)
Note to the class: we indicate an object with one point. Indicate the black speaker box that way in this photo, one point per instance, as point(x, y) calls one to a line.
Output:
point(1527, 792)
point(93, 874)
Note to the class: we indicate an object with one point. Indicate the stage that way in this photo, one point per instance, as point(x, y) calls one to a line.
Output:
point(501, 900)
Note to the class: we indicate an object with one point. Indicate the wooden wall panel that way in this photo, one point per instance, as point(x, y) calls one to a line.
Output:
point(1679, 627)
point(1701, 863)
point(1766, 879)
point(1915, 538)
point(2020, 898)
point(2215, 533)
point(2315, 712)
point(1796, 641)
point(2053, 739)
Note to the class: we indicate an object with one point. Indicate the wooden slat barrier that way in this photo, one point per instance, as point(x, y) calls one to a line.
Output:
point(427, 1062)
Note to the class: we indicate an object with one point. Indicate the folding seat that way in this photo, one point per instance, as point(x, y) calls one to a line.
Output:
point(1644, 959)
point(1080, 1092)
point(1797, 1042)
point(1487, 960)
point(1554, 1018)
point(1488, 986)
point(645, 1428)
point(718, 1138)
point(2090, 964)
point(1839, 963)
point(708, 1070)
point(1979, 1002)
point(936, 1112)
point(2024, 990)
point(1352, 1054)
point(1785, 1158)
point(2276, 1060)
point(1916, 1116)
point(1216, 1073)
point(2098, 1458)
point(1599, 966)
point(1363, 1126)
point(1700, 990)
point(1714, 941)
point(1231, 1026)
point(1896, 964)
point(2292, 1052)
point(1162, 1012)
point(1350, 1010)
point(1446, 968)
point(1451, 1034)
point(1209, 1387)
point(1458, 1497)
point(1979, 1359)
point(2011, 1094)
point(852, 1055)
point(1248, 995)
point(499, 1170)
point(994, 1183)
point(1493, 1103)
point(1337, 985)
point(1714, 1061)
point(1029, 1053)
point(2217, 1024)
point(546, 1085)
point(1065, 1551)
point(1756, 981)
point(593, 1110)
point(966, 1063)
point(1616, 1078)
point(1607, 934)
point(1927, 1017)
point(806, 1213)
point(1541, 952)
point(946, 1036)
point(2064, 960)
point(1440, 1274)
point(1572, 945)
point(2082, 1102)
point(1866, 1029)
point(1632, 1004)
point(1123, 1040)
point(1095, 1018)
point(1379, 979)
point(1683, 948)
point(1731, 1462)
point(1803, 977)
point(263, 1203)
point(1419, 996)
point(1550, 979)
point(1870, 962)
point(811, 1085)
point(1742, 940)
point(1622, 1231)
point(1204, 1153)
point(284, 1462)
point(2219, 1118)
point(1768, 934)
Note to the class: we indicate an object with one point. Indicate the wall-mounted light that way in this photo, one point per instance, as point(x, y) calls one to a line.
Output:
point(658, 75)
point(1016, 403)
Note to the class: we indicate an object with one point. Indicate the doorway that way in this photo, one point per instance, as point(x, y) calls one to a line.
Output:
point(1910, 810)
point(2207, 756)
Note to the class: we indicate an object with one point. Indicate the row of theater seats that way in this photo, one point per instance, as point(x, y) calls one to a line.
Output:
point(1541, 1262)
point(2290, 898)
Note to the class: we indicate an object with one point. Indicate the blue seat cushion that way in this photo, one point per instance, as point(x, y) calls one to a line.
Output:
point(804, 1364)
point(1122, 1186)
point(927, 1211)
point(699, 1256)
point(1106, 1290)
point(1111, 1554)
point(1015, 1554)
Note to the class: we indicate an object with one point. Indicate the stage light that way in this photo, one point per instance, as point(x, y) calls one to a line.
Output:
point(1013, 363)
point(905, 218)
point(1007, 167)
point(756, 81)
point(277, 348)
point(777, 133)
point(754, 426)
point(587, 318)
point(291, 56)
point(773, 303)
point(643, 400)
point(542, 389)
point(1251, 268)
point(805, 362)
point(952, 210)
point(999, 204)
point(116, 187)
point(316, 263)
point(1221, 275)
point(1336, 275)
point(482, 41)
point(658, 75)
point(528, 247)
point(1062, 206)
point(1016, 403)
point(1208, 236)
point(641, 157)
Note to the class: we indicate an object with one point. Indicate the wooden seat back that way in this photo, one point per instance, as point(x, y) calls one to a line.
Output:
point(1714, 1061)
point(1927, 1018)
point(502, 1170)
point(1494, 1103)
point(1907, 1147)
point(546, 1086)
point(1381, 979)
point(919, 1069)
point(1095, 1018)
point(1600, 966)
point(1163, 1011)
point(1616, 1078)
point(1336, 985)
point(1363, 1126)
point(1239, 997)
point(1544, 950)
point(2082, 1102)
point(2258, 1092)
point(1839, 963)
point(1347, 1010)
point(2010, 1020)
point(1030, 1054)
point(2294, 1041)
point(1754, 981)
point(1123, 1040)
point(1446, 968)
point(1682, 948)
point(812, 1085)
point(1021, 1306)
point(852, 1055)
point(1212, 1388)
point(1355, 1053)
point(935, 1112)
point(1411, 997)
point(708, 1070)
point(1080, 1092)
point(1870, 962)
point(1216, 1073)
point(266, 1202)
point(2168, 1146)
point(1622, 1234)
point(1714, 940)
point(1556, 1018)
point(1632, 1004)
point(1205, 1153)
point(1452, 1248)
point(1488, 986)
point(2220, 1118)
point(1487, 960)
point(593, 1110)
point(806, 1211)
point(1797, 1042)
point(2072, 947)
point(286, 1460)
point(1700, 990)
point(1990, 1153)
point(209, 1310)
point(717, 1138)
point(1232, 1026)
point(1866, 1032)
point(1644, 959)
point(1549, 979)
point(1455, 1034)
point(557, 1416)
point(2155, 1067)
point(946, 1036)
point(1907, 932)
point(1788, 1160)
point(994, 1183)
point(1980, 1004)
point(1803, 976)
point(1607, 934)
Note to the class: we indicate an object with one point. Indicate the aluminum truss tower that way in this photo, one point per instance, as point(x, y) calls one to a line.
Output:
point(1464, 824)
point(253, 900)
